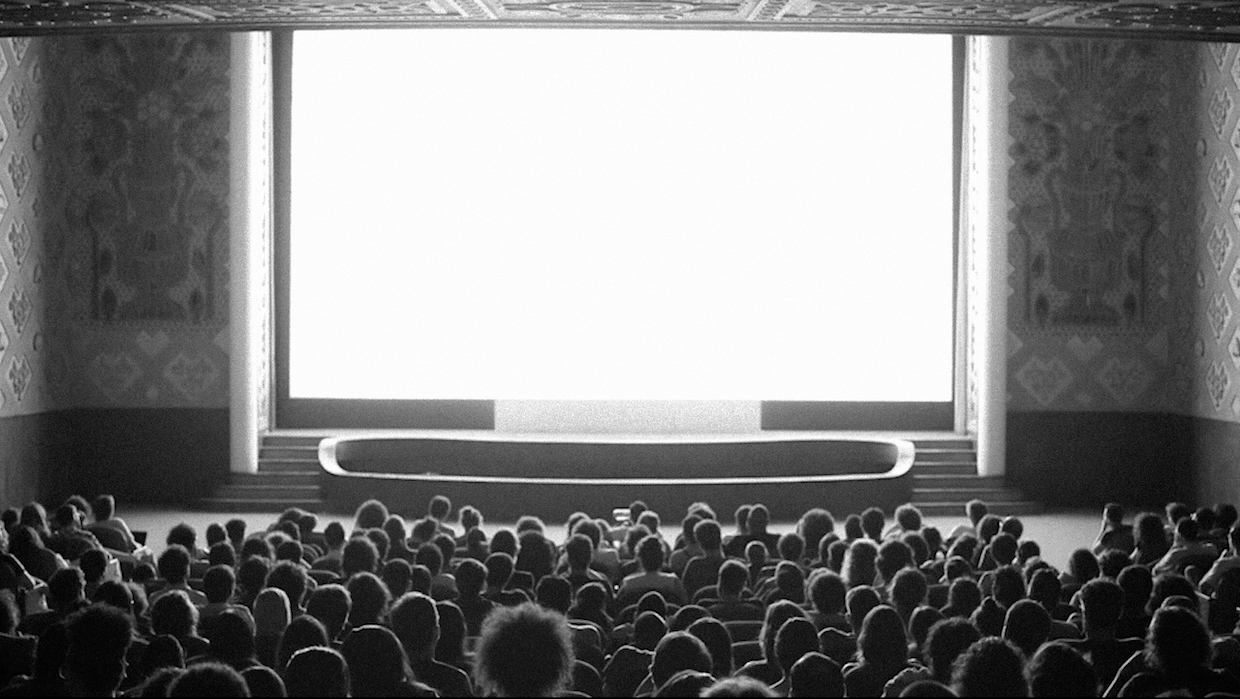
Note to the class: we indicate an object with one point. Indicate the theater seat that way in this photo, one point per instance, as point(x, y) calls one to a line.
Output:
point(1224, 602)
point(706, 593)
point(322, 577)
point(586, 679)
point(745, 651)
point(742, 631)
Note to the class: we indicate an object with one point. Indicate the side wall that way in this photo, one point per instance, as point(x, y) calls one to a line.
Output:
point(32, 364)
point(1105, 319)
point(1214, 354)
point(113, 294)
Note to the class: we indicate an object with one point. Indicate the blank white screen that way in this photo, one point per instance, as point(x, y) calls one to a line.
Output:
point(621, 214)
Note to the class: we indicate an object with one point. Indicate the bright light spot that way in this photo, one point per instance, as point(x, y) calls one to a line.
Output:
point(621, 214)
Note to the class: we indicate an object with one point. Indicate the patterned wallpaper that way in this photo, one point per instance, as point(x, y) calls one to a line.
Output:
point(1099, 304)
point(145, 264)
point(26, 340)
point(113, 237)
point(1214, 266)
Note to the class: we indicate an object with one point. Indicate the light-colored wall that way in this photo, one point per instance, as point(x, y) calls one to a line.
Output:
point(28, 332)
point(1211, 268)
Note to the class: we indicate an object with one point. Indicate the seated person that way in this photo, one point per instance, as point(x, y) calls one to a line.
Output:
point(757, 519)
point(334, 539)
point(579, 552)
point(630, 664)
point(731, 605)
point(1102, 602)
point(509, 637)
point(500, 568)
point(443, 583)
point(703, 570)
point(686, 546)
point(111, 531)
point(827, 592)
point(66, 594)
point(173, 566)
point(1186, 550)
point(438, 509)
point(70, 540)
point(651, 577)
point(470, 581)
point(219, 585)
point(1228, 562)
point(1114, 534)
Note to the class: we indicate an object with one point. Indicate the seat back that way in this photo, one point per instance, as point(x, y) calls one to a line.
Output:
point(743, 630)
point(745, 651)
point(1224, 602)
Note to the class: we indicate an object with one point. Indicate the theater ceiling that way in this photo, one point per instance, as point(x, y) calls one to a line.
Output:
point(1164, 19)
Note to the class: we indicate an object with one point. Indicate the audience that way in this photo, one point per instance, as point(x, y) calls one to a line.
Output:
point(1146, 609)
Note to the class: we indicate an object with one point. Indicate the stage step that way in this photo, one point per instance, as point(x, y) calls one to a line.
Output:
point(1000, 508)
point(232, 491)
point(288, 476)
point(954, 481)
point(291, 453)
point(280, 439)
point(275, 478)
point(944, 469)
point(945, 478)
point(218, 504)
point(945, 456)
point(946, 443)
point(983, 492)
point(288, 466)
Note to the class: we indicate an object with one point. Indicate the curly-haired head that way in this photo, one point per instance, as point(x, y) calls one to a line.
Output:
point(524, 651)
point(991, 667)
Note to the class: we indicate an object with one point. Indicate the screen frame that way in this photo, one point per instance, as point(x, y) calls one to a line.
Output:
point(322, 413)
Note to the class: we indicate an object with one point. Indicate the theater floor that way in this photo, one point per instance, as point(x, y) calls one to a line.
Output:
point(1057, 532)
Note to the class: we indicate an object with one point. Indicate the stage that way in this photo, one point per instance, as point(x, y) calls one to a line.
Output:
point(554, 474)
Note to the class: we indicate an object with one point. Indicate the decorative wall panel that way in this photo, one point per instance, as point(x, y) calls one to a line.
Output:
point(1213, 263)
point(29, 346)
point(153, 110)
point(1098, 302)
point(142, 244)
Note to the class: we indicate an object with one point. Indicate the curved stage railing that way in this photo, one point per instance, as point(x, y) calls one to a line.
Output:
point(553, 475)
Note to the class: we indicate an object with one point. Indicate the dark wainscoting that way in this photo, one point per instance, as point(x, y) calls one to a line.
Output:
point(1088, 459)
point(25, 446)
point(1216, 459)
point(164, 456)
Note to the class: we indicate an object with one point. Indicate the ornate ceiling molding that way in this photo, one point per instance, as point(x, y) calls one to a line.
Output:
point(1211, 20)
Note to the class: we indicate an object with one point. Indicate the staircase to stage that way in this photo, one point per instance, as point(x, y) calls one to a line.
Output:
point(288, 475)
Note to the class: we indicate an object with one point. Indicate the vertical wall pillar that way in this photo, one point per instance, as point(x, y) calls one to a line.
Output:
point(985, 225)
point(249, 224)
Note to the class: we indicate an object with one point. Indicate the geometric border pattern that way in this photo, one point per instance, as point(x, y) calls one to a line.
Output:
point(1215, 20)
